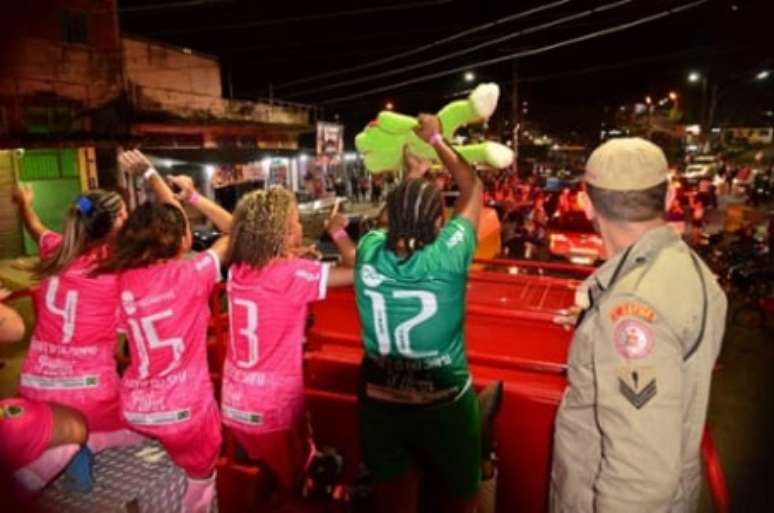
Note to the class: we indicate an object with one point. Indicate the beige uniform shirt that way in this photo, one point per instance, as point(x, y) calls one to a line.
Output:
point(630, 424)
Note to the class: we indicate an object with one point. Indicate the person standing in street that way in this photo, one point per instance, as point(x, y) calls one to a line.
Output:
point(648, 331)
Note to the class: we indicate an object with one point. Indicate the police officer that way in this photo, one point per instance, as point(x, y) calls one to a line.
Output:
point(649, 329)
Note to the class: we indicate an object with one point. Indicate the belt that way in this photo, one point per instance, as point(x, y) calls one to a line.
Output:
point(416, 397)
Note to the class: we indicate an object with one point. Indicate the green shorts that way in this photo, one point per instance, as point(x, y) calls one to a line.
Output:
point(445, 439)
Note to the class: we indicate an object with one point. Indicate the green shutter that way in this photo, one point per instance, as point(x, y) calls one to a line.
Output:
point(49, 164)
point(39, 165)
point(68, 162)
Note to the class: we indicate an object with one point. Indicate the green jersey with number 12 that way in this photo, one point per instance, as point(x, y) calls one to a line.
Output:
point(412, 315)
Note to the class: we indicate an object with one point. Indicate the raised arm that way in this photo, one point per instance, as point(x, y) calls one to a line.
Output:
point(135, 162)
point(342, 275)
point(219, 216)
point(11, 323)
point(469, 202)
point(336, 225)
point(23, 197)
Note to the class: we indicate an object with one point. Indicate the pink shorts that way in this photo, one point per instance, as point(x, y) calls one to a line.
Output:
point(25, 431)
point(194, 445)
point(284, 452)
point(101, 407)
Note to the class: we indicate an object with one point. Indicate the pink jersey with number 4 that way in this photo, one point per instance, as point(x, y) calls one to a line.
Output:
point(263, 382)
point(164, 311)
point(71, 355)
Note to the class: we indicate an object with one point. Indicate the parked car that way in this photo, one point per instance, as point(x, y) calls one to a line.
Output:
point(572, 237)
point(701, 167)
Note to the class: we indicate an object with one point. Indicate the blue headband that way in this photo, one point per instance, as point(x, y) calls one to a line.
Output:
point(84, 205)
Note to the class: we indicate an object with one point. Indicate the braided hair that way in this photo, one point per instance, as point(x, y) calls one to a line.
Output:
point(412, 211)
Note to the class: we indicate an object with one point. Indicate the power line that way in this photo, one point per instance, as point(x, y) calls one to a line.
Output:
point(525, 53)
point(423, 48)
point(470, 49)
point(307, 17)
point(169, 5)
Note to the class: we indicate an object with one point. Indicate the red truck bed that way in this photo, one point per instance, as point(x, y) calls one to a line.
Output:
point(510, 337)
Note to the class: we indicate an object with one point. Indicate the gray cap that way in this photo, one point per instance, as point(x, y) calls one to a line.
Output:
point(626, 164)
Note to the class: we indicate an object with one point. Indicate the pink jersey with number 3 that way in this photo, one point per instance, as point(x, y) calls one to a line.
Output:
point(71, 355)
point(164, 311)
point(263, 382)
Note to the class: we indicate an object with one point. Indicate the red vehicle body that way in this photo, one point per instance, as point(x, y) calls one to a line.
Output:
point(510, 337)
point(571, 237)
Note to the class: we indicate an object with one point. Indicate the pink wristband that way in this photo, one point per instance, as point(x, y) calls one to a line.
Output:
point(435, 139)
point(149, 172)
point(339, 234)
point(193, 198)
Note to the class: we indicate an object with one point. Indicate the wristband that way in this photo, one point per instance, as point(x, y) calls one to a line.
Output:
point(148, 173)
point(435, 139)
point(339, 234)
point(193, 198)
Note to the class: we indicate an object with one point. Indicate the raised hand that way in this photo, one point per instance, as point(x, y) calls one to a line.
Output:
point(134, 162)
point(429, 125)
point(22, 195)
point(336, 221)
point(185, 184)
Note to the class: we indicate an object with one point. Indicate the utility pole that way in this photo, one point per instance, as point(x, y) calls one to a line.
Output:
point(515, 111)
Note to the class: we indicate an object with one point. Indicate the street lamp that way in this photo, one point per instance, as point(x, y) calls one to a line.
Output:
point(389, 105)
point(763, 75)
point(648, 100)
point(694, 76)
point(469, 76)
point(673, 96)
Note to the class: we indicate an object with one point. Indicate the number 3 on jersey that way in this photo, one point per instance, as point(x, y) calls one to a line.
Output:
point(428, 308)
point(249, 332)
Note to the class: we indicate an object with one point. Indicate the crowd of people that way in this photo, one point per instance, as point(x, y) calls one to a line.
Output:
point(639, 367)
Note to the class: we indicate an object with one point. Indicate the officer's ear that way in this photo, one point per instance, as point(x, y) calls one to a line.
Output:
point(671, 194)
point(585, 203)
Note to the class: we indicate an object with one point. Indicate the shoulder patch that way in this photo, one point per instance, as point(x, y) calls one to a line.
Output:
point(633, 339)
point(632, 310)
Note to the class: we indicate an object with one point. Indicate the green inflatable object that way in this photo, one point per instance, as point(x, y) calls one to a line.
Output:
point(382, 142)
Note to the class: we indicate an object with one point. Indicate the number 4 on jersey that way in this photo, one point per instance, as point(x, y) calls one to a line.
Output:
point(67, 313)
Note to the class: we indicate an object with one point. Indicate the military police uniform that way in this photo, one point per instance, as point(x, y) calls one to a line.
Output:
point(652, 319)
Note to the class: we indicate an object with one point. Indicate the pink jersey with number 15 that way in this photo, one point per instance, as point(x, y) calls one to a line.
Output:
point(263, 382)
point(164, 311)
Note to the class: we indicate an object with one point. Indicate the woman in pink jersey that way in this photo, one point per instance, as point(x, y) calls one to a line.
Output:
point(166, 392)
point(37, 440)
point(71, 360)
point(269, 290)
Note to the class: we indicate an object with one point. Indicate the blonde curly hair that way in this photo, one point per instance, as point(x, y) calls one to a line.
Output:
point(260, 227)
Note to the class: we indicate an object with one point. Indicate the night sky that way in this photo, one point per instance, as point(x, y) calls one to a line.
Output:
point(568, 90)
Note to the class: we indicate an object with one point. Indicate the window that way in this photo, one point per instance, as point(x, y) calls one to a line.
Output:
point(74, 25)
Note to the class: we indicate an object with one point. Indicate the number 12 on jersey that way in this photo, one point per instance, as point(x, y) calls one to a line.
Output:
point(402, 334)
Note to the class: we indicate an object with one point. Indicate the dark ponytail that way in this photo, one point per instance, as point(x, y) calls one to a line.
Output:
point(89, 222)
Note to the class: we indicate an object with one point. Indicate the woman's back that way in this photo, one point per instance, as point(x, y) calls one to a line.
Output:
point(412, 314)
point(165, 314)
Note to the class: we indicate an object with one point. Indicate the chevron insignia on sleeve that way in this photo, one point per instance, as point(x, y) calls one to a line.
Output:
point(637, 385)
